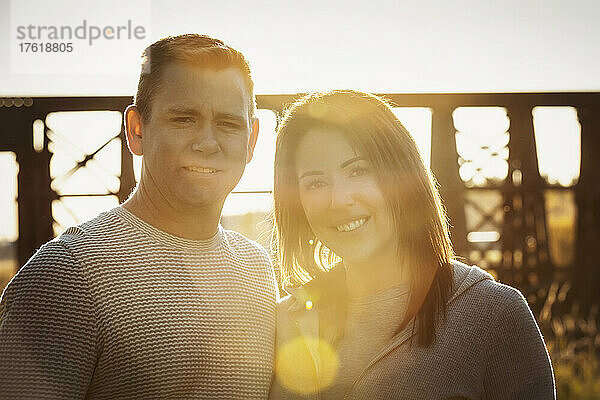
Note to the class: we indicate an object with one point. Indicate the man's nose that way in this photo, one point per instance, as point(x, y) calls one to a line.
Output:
point(205, 140)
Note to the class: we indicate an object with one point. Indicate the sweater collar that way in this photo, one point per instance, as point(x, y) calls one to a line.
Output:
point(166, 238)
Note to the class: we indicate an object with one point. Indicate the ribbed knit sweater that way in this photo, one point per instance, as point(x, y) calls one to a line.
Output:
point(116, 308)
point(488, 347)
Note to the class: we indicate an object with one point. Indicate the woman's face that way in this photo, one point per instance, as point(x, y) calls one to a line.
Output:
point(342, 200)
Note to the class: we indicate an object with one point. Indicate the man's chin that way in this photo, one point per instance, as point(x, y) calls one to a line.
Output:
point(202, 200)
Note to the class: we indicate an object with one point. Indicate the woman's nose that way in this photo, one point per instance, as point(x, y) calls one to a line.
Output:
point(342, 195)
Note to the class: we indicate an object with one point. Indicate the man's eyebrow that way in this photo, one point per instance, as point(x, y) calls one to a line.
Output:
point(310, 173)
point(181, 110)
point(230, 116)
point(350, 161)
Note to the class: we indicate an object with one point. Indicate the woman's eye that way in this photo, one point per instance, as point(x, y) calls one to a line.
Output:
point(314, 184)
point(358, 171)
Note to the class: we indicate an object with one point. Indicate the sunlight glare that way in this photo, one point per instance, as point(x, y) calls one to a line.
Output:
point(9, 229)
point(558, 142)
point(417, 120)
point(482, 139)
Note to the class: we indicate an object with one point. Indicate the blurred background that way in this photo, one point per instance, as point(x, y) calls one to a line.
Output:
point(503, 99)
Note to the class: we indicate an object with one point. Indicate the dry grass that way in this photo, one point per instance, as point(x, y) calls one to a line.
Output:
point(573, 342)
point(7, 270)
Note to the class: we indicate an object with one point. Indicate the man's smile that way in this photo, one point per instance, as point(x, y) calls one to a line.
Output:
point(201, 170)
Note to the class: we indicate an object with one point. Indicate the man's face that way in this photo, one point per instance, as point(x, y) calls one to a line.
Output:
point(198, 139)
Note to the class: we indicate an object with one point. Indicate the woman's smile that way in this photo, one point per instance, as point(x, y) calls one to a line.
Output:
point(353, 225)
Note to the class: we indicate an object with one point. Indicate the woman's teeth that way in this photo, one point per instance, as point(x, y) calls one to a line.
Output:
point(351, 225)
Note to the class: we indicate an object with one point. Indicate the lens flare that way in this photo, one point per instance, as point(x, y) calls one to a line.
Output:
point(302, 372)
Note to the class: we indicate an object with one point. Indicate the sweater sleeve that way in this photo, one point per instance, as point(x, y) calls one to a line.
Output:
point(518, 365)
point(47, 329)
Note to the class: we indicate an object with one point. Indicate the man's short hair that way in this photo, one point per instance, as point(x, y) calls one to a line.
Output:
point(191, 49)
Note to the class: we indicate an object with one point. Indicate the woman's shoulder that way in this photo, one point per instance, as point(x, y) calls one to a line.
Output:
point(500, 324)
point(297, 299)
point(285, 302)
point(476, 287)
point(307, 295)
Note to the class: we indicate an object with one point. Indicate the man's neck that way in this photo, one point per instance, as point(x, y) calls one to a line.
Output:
point(197, 223)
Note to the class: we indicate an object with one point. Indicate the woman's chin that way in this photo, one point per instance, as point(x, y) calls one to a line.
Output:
point(356, 257)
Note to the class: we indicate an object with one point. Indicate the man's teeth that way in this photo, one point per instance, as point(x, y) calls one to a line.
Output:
point(351, 225)
point(204, 170)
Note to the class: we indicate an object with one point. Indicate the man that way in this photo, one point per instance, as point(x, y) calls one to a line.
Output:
point(153, 298)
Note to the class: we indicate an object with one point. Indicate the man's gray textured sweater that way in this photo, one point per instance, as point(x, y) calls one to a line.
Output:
point(489, 347)
point(117, 309)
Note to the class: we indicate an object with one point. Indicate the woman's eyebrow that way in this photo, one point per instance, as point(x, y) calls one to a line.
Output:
point(350, 161)
point(310, 173)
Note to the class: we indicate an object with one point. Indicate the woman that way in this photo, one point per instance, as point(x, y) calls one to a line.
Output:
point(378, 307)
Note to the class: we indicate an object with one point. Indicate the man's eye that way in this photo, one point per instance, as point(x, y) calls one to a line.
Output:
point(182, 120)
point(228, 124)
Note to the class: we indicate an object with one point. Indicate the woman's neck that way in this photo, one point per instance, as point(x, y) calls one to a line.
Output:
point(363, 279)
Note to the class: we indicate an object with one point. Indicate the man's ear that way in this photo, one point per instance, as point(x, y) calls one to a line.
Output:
point(133, 129)
point(252, 140)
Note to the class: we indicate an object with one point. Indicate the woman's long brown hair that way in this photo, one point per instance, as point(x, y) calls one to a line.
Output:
point(371, 127)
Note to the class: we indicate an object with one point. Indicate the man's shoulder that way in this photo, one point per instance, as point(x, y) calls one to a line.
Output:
point(60, 247)
point(65, 252)
point(52, 266)
point(244, 246)
point(101, 226)
point(54, 250)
